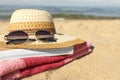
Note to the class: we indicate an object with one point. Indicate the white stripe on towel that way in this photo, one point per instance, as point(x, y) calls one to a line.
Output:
point(22, 53)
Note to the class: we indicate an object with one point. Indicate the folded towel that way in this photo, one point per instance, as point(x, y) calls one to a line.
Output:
point(22, 67)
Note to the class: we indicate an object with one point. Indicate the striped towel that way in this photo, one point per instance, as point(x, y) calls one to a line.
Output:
point(12, 69)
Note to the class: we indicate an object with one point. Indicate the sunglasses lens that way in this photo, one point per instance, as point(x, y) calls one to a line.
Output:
point(17, 37)
point(44, 35)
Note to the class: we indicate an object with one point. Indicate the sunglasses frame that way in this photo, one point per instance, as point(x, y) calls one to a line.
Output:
point(46, 39)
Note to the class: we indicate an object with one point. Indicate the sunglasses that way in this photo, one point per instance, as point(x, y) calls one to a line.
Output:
point(19, 37)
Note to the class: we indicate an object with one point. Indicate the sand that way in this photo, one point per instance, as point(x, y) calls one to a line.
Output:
point(102, 64)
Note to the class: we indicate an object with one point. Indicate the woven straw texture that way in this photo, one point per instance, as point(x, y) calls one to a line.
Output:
point(31, 20)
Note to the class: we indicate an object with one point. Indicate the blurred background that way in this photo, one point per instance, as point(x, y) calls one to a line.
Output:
point(65, 8)
point(97, 21)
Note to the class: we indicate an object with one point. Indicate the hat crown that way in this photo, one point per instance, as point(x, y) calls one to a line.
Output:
point(27, 15)
point(31, 20)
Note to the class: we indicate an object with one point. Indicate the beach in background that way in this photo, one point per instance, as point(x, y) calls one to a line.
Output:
point(100, 26)
point(81, 12)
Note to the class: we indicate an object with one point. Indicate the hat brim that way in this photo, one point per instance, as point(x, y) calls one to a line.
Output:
point(62, 42)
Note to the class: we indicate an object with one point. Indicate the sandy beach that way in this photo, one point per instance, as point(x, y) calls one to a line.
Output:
point(102, 64)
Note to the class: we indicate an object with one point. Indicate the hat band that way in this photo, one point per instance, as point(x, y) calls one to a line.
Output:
point(32, 26)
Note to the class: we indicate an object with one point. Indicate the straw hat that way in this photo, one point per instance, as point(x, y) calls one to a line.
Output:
point(32, 20)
